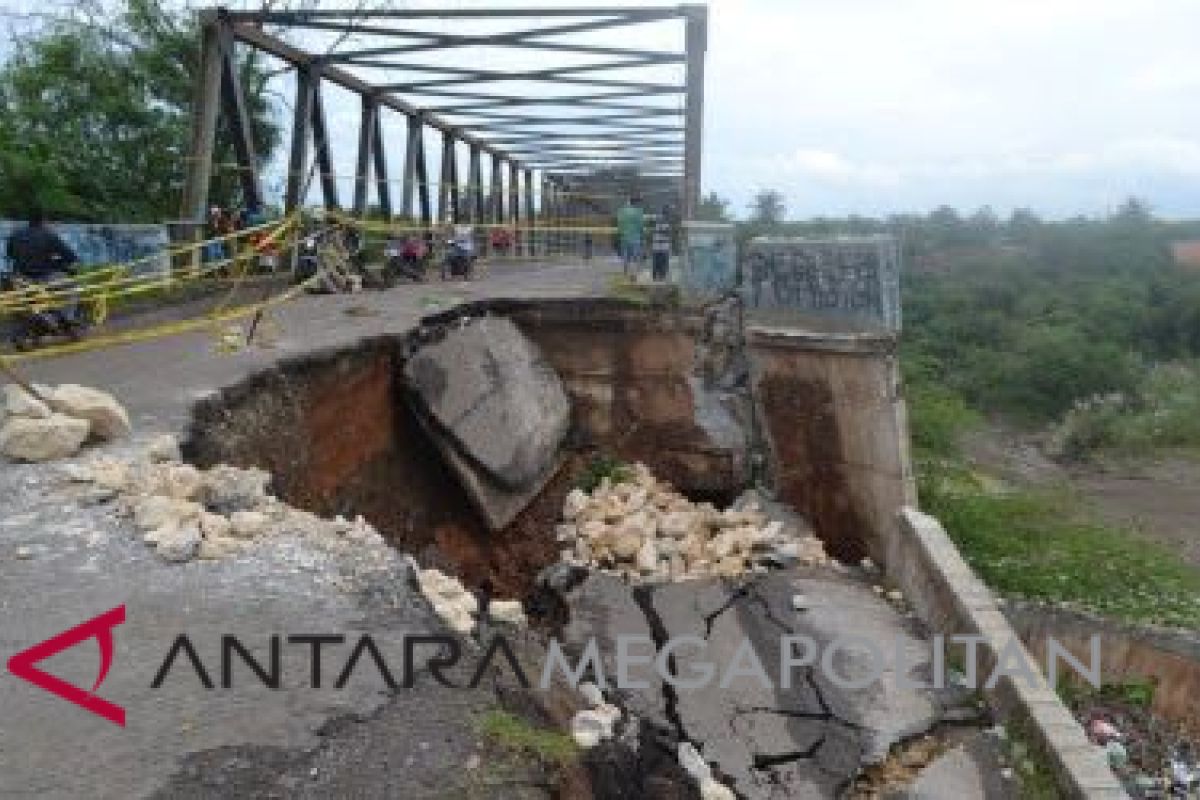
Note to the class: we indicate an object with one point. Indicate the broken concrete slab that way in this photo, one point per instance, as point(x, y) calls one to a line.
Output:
point(490, 389)
point(766, 740)
point(973, 770)
point(603, 608)
point(496, 410)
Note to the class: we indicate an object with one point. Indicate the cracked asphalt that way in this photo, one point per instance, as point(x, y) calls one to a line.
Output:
point(772, 741)
point(66, 557)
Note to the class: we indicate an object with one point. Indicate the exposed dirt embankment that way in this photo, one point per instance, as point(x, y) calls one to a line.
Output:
point(337, 431)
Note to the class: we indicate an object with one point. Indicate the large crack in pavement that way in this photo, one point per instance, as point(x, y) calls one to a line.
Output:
point(808, 738)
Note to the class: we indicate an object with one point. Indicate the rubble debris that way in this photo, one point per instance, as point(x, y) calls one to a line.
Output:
point(693, 763)
point(163, 448)
point(35, 430)
point(42, 438)
point(591, 726)
point(451, 601)
point(186, 513)
point(1148, 756)
point(643, 529)
point(107, 418)
point(507, 612)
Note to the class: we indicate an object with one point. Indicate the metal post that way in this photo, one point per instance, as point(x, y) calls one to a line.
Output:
point(530, 243)
point(412, 149)
point(238, 120)
point(204, 121)
point(423, 187)
point(366, 146)
point(383, 189)
point(444, 182)
point(514, 204)
point(475, 189)
point(497, 189)
point(697, 43)
point(321, 144)
point(301, 125)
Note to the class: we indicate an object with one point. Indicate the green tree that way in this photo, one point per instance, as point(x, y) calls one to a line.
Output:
point(712, 208)
point(95, 115)
point(767, 208)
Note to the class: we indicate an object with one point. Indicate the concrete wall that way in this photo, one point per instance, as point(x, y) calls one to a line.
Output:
point(1169, 658)
point(108, 244)
point(836, 430)
point(948, 597)
point(629, 373)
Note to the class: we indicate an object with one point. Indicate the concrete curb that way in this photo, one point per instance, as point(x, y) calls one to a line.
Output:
point(947, 596)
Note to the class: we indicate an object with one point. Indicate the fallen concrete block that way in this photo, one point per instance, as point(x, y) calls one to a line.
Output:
point(496, 410)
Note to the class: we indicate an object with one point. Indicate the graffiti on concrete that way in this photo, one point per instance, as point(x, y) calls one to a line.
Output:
point(710, 259)
point(108, 244)
point(850, 278)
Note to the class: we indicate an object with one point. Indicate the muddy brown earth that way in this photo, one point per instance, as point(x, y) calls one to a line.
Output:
point(1158, 499)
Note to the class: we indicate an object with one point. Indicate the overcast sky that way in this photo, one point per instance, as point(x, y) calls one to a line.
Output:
point(882, 106)
point(878, 106)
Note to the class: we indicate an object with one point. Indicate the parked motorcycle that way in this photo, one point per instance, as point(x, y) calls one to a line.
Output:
point(47, 316)
point(459, 261)
point(404, 261)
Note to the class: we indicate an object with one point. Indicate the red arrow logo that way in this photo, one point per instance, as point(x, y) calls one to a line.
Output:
point(22, 664)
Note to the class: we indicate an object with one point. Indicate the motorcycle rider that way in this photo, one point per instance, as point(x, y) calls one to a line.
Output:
point(39, 255)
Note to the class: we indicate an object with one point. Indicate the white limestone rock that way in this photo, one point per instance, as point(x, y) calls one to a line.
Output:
point(248, 524)
point(177, 542)
point(507, 612)
point(591, 694)
point(158, 511)
point(20, 403)
point(35, 439)
point(712, 790)
point(693, 763)
point(575, 502)
point(107, 418)
point(162, 449)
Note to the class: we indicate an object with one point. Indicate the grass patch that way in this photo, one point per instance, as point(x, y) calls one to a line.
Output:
point(602, 467)
point(1135, 692)
point(1040, 545)
point(622, 287)
point(1031, 763)
point(519, 735)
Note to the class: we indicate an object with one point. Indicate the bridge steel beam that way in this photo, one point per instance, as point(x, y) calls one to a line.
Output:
point(626, 120)
point(696, 44)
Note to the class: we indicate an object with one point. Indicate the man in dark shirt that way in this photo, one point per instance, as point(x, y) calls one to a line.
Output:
point(37, 253)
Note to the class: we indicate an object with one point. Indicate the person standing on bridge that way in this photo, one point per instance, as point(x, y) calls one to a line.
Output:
point(631, 227)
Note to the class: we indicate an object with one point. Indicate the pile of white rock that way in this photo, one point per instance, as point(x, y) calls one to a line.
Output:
point(456, 606)
point(184, 512)
point(596, 723)
point(58, 421)
point(644, 530)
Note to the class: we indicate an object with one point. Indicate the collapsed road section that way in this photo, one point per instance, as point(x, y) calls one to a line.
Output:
point(654, 486)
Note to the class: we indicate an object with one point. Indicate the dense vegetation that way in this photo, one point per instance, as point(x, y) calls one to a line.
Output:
point(95, 114)
point(1082, 329)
